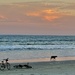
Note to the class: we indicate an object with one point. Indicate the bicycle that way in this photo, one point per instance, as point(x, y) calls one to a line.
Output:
point(5, 65)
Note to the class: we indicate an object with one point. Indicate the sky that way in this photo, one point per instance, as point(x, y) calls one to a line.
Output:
point(37, 17)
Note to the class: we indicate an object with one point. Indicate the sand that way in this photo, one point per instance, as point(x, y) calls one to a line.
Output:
point(64, 67)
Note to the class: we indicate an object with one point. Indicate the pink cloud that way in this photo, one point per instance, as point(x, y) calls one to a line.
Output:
point(2, 17)
point(33, 14)
point(49, 11)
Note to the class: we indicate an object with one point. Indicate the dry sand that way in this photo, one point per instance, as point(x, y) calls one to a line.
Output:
point(64, 67)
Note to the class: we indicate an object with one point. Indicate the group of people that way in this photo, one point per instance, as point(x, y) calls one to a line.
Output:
point(23, 66)
point(6, 65)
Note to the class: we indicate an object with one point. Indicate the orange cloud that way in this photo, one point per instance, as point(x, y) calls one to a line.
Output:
point(47, 14)
point(50, 18)
point(48, 11)
point(33, 14)
point(38, 13)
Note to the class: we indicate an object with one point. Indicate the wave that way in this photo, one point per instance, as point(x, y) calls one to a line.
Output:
point(39, 42)
point(35, 47)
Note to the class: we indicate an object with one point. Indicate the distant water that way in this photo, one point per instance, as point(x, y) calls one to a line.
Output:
point(36, 46)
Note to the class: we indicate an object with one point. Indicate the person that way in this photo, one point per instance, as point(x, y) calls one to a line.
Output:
point(6, 60)
point(7, 64)
point(27, 66)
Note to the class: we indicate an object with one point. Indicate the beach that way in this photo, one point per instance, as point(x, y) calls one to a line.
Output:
point(37, 50)
point(63, 67)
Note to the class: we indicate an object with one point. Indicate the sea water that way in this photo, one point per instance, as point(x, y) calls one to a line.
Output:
point(36, 46)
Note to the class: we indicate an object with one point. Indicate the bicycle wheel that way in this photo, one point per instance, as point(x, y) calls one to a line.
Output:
point(8, 66)
point(2, 67)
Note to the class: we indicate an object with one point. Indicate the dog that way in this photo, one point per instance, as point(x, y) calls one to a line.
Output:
point(53, 57)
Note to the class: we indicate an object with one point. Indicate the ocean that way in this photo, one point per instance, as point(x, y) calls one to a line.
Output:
point(36, 46)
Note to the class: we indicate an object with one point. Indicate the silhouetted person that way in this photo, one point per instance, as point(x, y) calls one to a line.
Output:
point(28, 66)
point(6, 60)
point(7, 64)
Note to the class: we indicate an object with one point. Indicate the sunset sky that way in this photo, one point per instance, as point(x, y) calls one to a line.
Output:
point(36, 17)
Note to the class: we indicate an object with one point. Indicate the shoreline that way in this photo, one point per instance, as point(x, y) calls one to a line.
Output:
point(41, 60)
